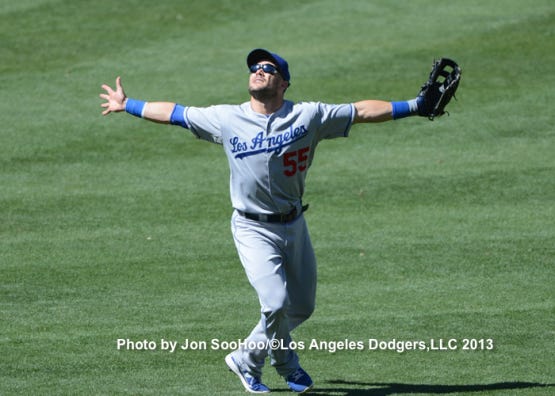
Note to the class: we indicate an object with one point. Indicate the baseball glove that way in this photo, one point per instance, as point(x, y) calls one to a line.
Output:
point(441, 86)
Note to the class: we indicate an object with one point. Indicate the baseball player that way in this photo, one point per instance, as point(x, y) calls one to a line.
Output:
point(270, 143)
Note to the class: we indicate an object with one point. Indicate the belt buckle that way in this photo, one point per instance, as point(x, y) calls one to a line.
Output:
point(289, 216)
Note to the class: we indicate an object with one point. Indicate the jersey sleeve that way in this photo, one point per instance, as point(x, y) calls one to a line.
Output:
point(204, 122)
point(335, 120)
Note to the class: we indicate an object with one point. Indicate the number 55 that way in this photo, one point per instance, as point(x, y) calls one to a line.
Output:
point(295, 161)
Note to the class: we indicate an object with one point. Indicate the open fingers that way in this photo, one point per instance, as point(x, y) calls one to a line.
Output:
point(107, 89)
point(106, 106)
point(114, 98)
point(119, 87)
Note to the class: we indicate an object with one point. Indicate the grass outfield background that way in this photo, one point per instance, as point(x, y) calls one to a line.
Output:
point(112, 228)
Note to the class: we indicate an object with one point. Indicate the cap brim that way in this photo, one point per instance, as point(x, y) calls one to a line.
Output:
point(258, 55)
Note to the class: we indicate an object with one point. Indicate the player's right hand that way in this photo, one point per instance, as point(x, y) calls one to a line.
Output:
point(115, 100)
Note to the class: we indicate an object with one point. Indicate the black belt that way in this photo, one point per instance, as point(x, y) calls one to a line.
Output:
point(274, 217)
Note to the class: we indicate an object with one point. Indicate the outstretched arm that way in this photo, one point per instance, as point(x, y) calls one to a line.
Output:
point(117, 101)
point(373, 111)
point(380, 111)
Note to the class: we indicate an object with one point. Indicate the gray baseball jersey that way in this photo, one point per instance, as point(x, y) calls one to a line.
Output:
point(268, 158)
point(269, 155)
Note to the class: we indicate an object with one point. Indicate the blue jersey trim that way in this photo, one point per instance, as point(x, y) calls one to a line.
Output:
point(178, 116)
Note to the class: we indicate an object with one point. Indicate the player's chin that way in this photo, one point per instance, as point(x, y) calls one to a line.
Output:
point(260, 91)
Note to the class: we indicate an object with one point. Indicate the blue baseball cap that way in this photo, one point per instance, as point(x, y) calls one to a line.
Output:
point(260, 54)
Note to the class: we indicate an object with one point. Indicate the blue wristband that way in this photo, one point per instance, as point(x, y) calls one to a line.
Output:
point(404, 109)
point(135, 107)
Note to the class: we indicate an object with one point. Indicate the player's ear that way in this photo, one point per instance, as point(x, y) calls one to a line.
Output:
point(285, 85)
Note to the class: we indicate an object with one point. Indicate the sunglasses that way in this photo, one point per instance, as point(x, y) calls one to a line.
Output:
point(266, 68)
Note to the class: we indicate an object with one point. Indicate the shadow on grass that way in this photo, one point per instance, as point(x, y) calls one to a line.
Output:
point(351, 388)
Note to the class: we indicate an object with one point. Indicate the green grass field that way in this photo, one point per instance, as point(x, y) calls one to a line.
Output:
point(115, 228)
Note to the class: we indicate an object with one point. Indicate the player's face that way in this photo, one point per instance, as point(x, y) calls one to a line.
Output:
point(265, 84)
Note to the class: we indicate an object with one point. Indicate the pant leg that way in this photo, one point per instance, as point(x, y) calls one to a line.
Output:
point(301, 274)
point(260, 248)
point(281, 266)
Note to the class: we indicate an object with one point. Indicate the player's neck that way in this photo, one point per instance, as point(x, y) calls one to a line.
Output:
point(266, 106)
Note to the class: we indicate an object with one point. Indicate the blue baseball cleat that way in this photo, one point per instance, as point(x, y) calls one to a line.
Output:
point(252, 384)
point(299, 381)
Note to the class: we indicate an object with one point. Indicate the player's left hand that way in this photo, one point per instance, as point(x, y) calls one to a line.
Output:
point(115, 100)
point(441, 86)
